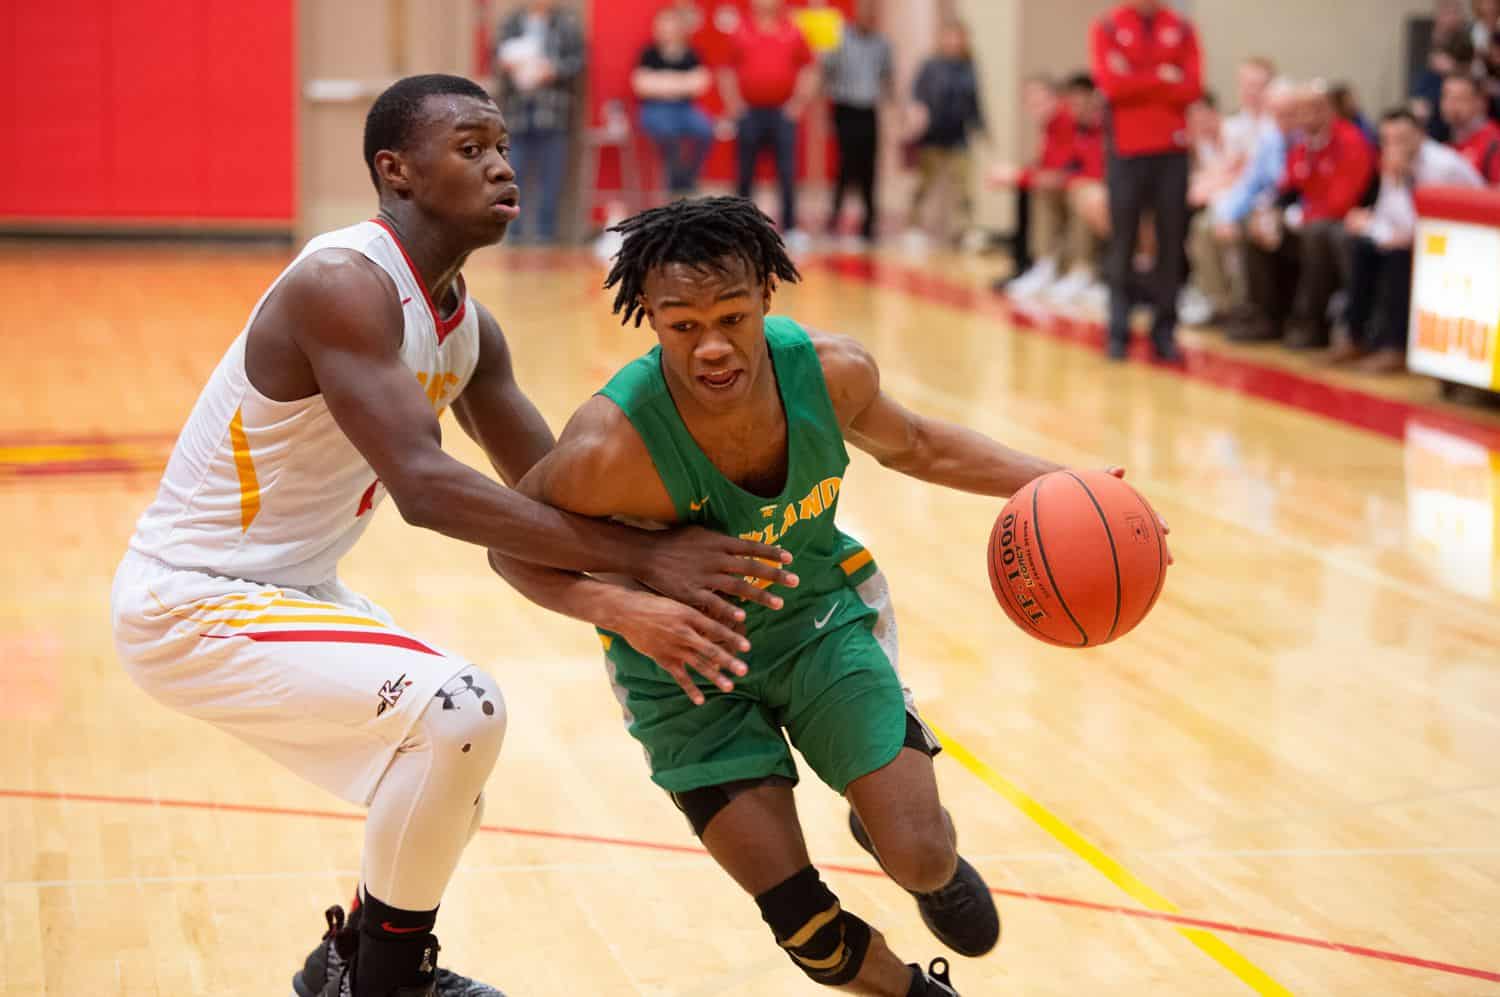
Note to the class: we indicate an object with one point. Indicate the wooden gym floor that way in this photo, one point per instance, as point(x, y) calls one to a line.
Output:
point(1286, 781)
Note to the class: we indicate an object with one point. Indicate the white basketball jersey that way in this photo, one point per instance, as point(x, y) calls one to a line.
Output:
point(274, 491)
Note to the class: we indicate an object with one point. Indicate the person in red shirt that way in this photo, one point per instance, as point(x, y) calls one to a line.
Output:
point(768, 84)
point(1145, 59)
point(1296, 249)
point(1040, 205)
point(1474, 134)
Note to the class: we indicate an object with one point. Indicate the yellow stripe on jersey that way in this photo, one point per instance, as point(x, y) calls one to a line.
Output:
point(854, 562)
point(249, 485)
point(265, 618)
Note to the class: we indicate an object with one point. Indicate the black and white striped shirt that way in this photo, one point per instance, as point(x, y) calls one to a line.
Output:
point(859, 70)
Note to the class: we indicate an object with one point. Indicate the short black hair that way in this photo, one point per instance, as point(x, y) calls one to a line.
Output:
point(397, 109)
point(1081, 82)
point(703, 233)
point(1400, 114)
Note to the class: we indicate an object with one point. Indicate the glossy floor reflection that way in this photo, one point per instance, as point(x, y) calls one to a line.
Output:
point(1285, 781)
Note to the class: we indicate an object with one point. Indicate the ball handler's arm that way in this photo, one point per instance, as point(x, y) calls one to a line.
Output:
point(600, 468)
point(928, 449)
point(915, 445)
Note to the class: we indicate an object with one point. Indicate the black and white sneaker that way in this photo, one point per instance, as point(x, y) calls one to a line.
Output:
point(326, 960)
point(335, 954)
point(935, 979)
point(961, 915)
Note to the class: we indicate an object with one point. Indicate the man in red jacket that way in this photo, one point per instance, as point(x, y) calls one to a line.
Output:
point(1296, 249)
point(1145, 59)
point(1474, 134)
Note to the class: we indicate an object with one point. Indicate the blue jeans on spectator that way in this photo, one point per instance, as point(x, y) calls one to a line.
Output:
point(540, 159)
point(767, 127)
point(684, 135)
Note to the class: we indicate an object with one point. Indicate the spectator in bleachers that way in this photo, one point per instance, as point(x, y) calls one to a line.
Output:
point(1211, 171)
point(1244, 129)
point(766, 88)
point(1346, 104)
point(1380, 244)
point(668, 80)
point(539, 57)
point(1486, 19)
point(1295, 252)
point(1037, 250)
point(1450, 55)
point(1145, 58)
point(1473, 133)
point(1088, 202)
point(858, 75)
point(946, 96)
point(1254, 153)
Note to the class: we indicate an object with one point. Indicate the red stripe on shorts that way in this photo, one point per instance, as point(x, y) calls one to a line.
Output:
point(335, 637)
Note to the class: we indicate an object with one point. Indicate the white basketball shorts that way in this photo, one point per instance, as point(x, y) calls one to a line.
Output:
point(318, 678)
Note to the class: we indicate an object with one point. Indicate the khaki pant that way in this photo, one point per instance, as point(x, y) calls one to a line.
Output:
point(1217, 268)
point(1060, 232)
point(952, 169)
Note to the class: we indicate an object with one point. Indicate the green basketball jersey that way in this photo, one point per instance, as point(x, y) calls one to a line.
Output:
point(801, 519)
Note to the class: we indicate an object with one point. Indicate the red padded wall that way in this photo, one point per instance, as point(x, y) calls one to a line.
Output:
point(152, 110)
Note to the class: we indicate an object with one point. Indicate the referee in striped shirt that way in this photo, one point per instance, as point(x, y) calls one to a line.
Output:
point(858, 74)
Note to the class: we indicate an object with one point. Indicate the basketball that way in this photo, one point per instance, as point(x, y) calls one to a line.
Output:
point(1077, 558)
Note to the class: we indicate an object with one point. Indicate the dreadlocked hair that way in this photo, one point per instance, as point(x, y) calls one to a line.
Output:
point(706, 233)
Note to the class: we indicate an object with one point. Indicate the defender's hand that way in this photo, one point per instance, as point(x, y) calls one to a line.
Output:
point(1119, 472)
point(678, 638)
point(694, 566)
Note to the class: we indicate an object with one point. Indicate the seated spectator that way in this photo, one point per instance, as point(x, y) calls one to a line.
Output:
point(1449, 55)
point(1346, 103)
point(1089, 225)
point(1483, 31)
point(1295, 251)
point(1040, 187)
point(668, 81)
point(1216, 238)
point(946, 94)
point(1380, 244)
point(1211, 171)
point(1473, 133)
point(1244, 129)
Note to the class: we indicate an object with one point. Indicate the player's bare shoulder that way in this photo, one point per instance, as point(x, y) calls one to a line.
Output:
point(601, 467)
point(849, 370)
point(333, 299)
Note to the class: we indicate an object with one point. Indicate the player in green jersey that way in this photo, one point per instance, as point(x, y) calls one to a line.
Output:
point(737, 421)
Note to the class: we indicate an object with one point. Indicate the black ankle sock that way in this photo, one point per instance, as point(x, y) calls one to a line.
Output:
point(918, 981)
point(396, 948)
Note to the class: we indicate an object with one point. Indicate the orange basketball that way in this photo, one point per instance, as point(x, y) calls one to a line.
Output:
point(1077, 558)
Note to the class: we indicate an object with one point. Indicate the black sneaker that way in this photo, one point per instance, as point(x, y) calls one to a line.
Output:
point(961, 915)
point(935, 979)
point(342, 985)
point(337, 949)
point(326, 960)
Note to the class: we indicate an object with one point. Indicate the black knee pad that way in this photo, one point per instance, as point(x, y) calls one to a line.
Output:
point(824, 941)
point(700, 806)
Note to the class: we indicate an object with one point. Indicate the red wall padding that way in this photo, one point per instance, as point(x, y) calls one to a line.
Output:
point(148, 109)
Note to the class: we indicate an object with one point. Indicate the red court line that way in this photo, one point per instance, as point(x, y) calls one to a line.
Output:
point(1351, 406)
point(655, 846)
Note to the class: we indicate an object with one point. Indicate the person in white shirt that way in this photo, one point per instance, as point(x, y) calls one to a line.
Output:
point(1380, 243)
point(1217, 290)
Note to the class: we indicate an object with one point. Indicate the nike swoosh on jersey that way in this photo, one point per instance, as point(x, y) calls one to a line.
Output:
point(698, 506)
point(820, 624)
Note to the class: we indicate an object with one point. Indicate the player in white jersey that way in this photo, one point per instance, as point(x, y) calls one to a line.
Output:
point(227, 606)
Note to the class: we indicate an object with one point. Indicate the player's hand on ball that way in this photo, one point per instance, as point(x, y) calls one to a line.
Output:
point(678, 639)
point(699, 567)
point(1119, 472)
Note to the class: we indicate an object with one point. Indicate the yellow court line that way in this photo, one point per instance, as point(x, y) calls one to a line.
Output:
point(1209, 943)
